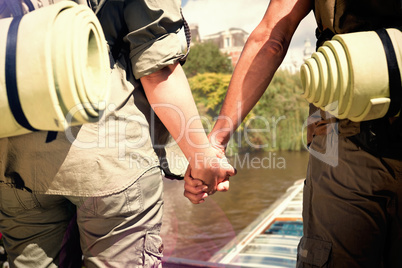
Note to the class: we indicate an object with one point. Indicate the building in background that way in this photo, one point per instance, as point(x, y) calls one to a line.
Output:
point(195, 34)
point(294, 59)
point(232, 41)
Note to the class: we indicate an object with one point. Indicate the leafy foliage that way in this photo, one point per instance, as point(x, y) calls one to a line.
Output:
point(287, 110)
point(209, 90)
point(206, 58)
point(275, 123)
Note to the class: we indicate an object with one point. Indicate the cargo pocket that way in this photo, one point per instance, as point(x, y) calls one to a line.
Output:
point(153, 250)
point(14, 201)
point(313, 253)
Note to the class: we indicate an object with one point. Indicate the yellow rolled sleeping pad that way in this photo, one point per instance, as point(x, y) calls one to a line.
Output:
point(356, 75)
point(54, 69)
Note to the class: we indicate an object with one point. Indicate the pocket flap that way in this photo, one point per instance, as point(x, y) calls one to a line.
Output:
point(153, 244)
point(313, 251)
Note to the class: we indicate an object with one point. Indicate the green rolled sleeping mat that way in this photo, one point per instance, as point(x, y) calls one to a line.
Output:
point(356, 75)
point(54, 69)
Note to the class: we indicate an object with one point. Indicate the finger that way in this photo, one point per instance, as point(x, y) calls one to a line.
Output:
point(223, 186)
point(196, 198)
point(211, 190)
point(197, 189)
point(190, 180)
point(220, 153)
point(194, 182)
point(187, 175)
point(231, 171)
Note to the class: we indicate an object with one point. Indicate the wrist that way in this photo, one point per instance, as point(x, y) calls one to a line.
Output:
point(211, 158)
point(218, 141)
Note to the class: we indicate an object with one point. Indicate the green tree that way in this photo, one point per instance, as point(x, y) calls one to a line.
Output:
point(275, 123)
point(209, 90)
point(206, 58)
point(285, 111)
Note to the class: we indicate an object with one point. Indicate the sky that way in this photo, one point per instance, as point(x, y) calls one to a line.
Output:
point(213, 16)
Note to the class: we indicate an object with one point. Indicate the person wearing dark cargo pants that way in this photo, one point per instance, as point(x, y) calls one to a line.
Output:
point(352, 215)
point(352, 212)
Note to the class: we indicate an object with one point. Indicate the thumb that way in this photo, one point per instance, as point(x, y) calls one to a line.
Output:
point(223, 186)
point(231, 171)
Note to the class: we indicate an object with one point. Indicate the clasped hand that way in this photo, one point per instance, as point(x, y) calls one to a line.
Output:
point(209, 174)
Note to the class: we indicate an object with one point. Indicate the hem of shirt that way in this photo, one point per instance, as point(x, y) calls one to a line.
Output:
point(157, 168)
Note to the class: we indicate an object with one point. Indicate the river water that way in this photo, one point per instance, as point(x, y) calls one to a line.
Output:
point(198, 231)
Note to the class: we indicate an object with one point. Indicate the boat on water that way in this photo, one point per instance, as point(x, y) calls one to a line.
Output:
point(269, 241)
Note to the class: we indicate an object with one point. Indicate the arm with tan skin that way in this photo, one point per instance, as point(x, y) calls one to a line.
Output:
point(262, 54)
point(169, 94)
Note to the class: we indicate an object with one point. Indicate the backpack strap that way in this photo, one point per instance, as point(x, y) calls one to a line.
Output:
point(30, 5)
point(15, 7)
point(11, 74)
point(394, 75)
point(187, 32)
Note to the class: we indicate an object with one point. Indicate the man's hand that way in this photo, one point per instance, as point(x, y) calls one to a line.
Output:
point(210, 176)
point(196, 191)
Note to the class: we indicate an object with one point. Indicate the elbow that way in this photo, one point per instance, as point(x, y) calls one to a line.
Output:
point(159, 75)
point(272, 44)
point(276, 47)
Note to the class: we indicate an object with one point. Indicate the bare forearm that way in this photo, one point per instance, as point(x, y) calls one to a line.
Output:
point(170, 96)
point(261, 57)
point(251, 77)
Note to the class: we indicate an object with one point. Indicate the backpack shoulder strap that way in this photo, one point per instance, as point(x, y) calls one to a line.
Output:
point(15, 7)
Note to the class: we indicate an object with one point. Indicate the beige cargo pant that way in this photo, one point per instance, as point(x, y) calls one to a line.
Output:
point(120, 230)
